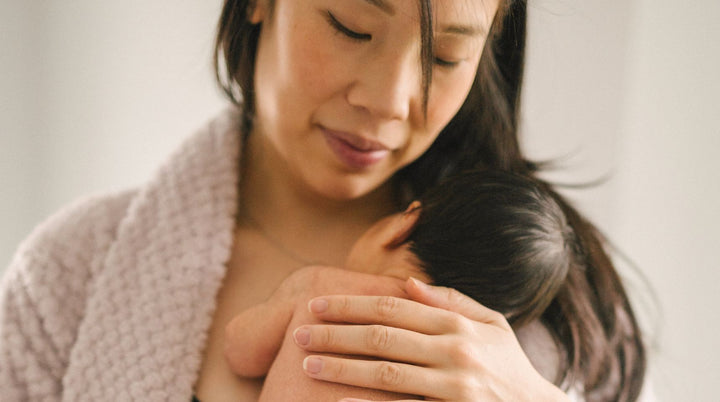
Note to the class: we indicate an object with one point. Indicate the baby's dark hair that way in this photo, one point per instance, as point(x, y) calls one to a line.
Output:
point(498, 237)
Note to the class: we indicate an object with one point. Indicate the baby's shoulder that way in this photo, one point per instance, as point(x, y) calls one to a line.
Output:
point(313, 281)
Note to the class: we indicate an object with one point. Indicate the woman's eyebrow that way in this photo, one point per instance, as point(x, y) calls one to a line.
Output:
point(383, 5)
point(464, 30)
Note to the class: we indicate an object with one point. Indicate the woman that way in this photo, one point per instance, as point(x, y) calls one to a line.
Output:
point(348, 110)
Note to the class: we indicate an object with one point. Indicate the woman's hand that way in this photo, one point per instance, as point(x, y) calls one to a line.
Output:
point(441, 345)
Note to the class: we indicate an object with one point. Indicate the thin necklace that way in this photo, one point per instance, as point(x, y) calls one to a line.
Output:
point(277, 244)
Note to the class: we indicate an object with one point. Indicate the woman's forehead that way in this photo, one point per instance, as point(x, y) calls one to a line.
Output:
point(467, 11)
point(473, 13)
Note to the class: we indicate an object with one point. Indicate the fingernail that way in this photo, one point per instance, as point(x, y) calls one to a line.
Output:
point(418, 283)
point(318, 305)
point(312, 365)
point(302, 336)
point(413, 206)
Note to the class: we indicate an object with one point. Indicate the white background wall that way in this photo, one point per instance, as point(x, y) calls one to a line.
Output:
point(94, 95)
point(631, 89)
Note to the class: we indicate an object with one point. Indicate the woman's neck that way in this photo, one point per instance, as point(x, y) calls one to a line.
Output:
point(312, 226)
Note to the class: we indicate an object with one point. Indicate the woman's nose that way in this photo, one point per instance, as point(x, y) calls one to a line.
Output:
point(387, 87)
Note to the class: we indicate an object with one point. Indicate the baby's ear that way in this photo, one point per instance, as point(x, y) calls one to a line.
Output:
point(403, 226)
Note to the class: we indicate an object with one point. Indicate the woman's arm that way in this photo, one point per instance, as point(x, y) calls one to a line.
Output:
point(29, 365)
point(440, 344)
point(43, 296)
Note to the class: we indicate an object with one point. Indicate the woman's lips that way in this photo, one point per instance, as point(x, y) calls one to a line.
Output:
point(354, 151)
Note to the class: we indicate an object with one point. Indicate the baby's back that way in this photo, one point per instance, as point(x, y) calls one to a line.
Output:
point(286, 380)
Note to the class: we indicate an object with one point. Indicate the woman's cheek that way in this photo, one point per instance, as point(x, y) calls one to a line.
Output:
point(317, 65)
point(447, 96)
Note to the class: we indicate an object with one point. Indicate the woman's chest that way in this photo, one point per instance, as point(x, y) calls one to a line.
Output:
point(254, 272)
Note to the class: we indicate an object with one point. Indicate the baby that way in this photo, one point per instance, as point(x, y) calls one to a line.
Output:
point(497, 237)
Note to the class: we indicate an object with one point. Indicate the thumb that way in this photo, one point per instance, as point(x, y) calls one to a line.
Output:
point(452, 300)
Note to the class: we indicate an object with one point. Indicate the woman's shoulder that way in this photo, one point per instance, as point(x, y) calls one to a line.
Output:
point(43, 291)
point(78, 231)
point(58, 258)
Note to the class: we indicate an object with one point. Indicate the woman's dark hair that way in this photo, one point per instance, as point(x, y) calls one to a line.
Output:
point(498, 237)
point(590, 317)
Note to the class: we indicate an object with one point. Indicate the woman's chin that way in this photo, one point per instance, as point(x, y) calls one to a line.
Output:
point(346, 188)
point(343, 192)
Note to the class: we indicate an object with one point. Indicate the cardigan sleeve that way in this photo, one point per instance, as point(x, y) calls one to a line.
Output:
point(42, 295)
point(31, 368)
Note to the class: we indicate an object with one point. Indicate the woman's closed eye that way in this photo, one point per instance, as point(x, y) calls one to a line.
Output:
point(344, 30)
point(450, 53)
point(446, 63)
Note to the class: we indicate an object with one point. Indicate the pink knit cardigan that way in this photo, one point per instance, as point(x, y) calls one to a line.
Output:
point(111, 299)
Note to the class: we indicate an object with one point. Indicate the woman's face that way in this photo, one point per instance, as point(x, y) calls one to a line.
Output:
point(339, 85)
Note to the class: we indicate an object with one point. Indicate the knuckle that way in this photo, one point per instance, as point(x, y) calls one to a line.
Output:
point(386, 307)
point(343, 306)
point(497, 316)
point(325, 338)
point(337, 370)
point(459, 324)
point(379, 338)
point(451, 295)
point(502, 321)
point(389, 374)
point(463, 354)
point(465, 386)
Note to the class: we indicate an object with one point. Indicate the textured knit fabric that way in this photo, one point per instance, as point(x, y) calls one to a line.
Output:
point(111, 299)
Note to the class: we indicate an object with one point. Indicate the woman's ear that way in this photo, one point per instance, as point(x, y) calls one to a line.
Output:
point(404, 226)
point(257, 11)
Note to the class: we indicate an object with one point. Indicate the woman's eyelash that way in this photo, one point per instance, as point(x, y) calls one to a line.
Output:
point(345, 30)
point(444, 63)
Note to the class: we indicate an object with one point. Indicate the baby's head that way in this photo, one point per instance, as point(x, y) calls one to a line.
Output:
point(498, 237)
